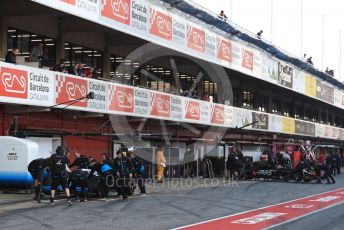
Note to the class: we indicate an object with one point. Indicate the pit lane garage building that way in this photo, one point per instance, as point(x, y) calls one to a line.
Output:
point(152, 60)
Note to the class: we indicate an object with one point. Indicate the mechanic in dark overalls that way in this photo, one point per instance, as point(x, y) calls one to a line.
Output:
point(105, 172)
point(79, 179)
point(59, 176)
point(36, 168)
point(123, 170)
point(138, 172)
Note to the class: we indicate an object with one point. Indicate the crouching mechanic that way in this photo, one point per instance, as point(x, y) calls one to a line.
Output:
point(138, 169)
point(79, 178)
point(105, 172)
point(59, 176)
point(36, 168)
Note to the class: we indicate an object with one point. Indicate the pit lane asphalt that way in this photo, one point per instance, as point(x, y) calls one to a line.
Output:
point(173, 209)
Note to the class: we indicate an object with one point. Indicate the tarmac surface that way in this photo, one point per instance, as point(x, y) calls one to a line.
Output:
point(166, 206)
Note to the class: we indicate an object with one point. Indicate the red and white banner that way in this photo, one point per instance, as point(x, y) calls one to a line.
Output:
point(161, 24)
point(32, 86)
point(72, 2)
point(218, 114)
point(195, 38)
point(193, 110)
point(160, 105)
point(224, 49)
point(13, 82)
point(247, 59)
point(121, 99)
point(118, 10)
point(70, 90)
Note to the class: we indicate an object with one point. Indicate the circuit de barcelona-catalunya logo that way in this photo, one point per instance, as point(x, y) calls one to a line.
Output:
point(14, 83)
point(118, 10)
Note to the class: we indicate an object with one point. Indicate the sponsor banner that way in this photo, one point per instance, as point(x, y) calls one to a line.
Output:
point(86, 7)
point(76, 7)
point(338, 98)
point(116, 10)
point(310, 85)
point(247, 59)
point(269, 69)
point(26, 85)
point(177, 105)
point(64, 5)
point(160, 23)
point(236, 54)
point(140, 16)
point(224, 50)
point(257, 63)
point(275, 123)
point(142, 100)
point(179, 31)
point(160, 105)
point(288, 125)
point(192, 110)
point(195, 38)
point(71, 2)
point(242, 117)
point(205, 109)
point(261, 121)
point(31, 86)
point(229, 116)
point(341, 134)
point(285, 75)
point(13, 82)
point(325, 92)
point(41, 85)
point(305, 128)
point(335, 133)
point(298, 81)
point(121, 98)
point(326, 131)
point(210, 44)
point(71, 89)
point(218, 114)
point(319, 130)
point(101, 92)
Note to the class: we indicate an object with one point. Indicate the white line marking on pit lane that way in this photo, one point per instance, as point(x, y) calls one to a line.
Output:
point(326, 199)
point(259, 218)
point(303, 216)
point(235, 214)
point(299, 206)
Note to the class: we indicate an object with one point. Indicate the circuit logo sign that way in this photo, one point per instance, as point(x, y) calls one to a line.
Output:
point(196, 39)
point(247, 59)
point(75, 91)
point(193, 110)
point(224, 51)
point(160, 105)
point(218, 115)
point(71, 89)
point(161, 24)
point(118, 10)
point(122, 99)
point(14, 83)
